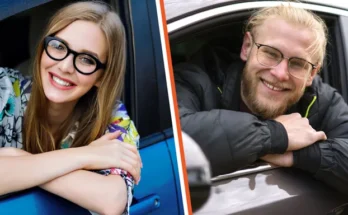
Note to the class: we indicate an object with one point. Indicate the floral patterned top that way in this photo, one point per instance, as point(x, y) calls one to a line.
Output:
point(14, 95)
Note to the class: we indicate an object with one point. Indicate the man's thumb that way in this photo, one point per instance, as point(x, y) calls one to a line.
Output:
point(321, 136)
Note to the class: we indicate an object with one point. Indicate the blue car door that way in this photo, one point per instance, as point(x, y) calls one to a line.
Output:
point(146, 98)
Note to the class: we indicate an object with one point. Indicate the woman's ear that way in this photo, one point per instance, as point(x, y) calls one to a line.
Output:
point(246, 47)
point(98, 81)
point(97, 84)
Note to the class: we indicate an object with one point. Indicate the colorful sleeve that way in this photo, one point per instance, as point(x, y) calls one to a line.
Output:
point(11, 113)
point(121, 122)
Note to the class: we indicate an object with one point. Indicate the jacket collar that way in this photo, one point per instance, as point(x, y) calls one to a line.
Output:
point(304, 104)
point(230, 98)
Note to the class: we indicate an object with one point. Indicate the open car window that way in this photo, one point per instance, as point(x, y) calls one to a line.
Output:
point(220, 28)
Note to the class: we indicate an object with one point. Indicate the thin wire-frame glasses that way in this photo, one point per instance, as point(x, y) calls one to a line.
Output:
point(271, 57)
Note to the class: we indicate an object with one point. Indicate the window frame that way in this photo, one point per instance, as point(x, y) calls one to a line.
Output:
point(145, 76)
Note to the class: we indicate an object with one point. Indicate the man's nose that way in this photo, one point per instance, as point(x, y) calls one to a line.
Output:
point(67, 65)
point(281, 70)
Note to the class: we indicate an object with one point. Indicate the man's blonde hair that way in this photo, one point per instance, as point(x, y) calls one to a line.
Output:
point(297, 16)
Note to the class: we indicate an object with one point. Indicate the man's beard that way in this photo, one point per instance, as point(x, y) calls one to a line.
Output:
point(260, 108)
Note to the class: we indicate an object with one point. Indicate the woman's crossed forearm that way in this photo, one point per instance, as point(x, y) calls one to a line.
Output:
point(98, 193)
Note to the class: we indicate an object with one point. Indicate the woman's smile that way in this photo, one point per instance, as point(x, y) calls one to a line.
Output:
point(61, 83)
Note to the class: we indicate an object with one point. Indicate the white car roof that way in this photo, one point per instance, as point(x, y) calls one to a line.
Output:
point(175, 8)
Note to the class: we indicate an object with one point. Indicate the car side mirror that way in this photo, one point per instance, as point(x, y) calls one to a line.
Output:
point(198, 172)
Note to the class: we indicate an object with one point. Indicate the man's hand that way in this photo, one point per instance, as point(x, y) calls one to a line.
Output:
point(300, 132)
point(285, 160)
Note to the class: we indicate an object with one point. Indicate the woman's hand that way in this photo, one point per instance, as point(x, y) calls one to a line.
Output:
point(108, 152)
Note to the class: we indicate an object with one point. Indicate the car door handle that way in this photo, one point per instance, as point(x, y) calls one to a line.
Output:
point(146, 205)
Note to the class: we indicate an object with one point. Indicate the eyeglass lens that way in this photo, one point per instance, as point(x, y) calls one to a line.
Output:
point(269, 56)
point(58, 51)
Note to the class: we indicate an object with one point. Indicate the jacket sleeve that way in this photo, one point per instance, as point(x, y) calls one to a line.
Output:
point(229, 139)
point(328, 160)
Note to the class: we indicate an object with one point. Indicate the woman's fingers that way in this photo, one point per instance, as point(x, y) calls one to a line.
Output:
point(131, 156)
point(134, 150)
point(115, 153)
point(141, 162)
point(132, 168)
point(110, 136)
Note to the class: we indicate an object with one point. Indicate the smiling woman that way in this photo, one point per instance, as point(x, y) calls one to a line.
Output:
point(72, 103)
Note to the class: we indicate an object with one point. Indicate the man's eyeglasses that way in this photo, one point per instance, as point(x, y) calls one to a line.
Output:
point(271, 57)
point(84, 63)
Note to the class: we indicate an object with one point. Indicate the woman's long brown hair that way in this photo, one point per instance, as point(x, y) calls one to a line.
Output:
point(93, 110)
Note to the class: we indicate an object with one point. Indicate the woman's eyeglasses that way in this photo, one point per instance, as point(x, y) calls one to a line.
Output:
point(84, 63)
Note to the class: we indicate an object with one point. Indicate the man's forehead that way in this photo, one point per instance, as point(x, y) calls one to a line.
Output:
point(289, 38)
point(279, 24)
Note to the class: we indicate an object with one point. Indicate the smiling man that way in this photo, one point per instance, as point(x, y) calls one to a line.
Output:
point(271, 104)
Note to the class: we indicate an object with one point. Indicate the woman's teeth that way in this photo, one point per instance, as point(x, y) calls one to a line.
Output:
point(61, 82)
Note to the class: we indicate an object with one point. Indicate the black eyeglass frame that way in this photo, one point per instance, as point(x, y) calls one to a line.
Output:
point(259, 45)
point(99, 65)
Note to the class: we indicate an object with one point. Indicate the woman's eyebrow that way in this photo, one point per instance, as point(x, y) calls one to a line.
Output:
point(82, 51)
